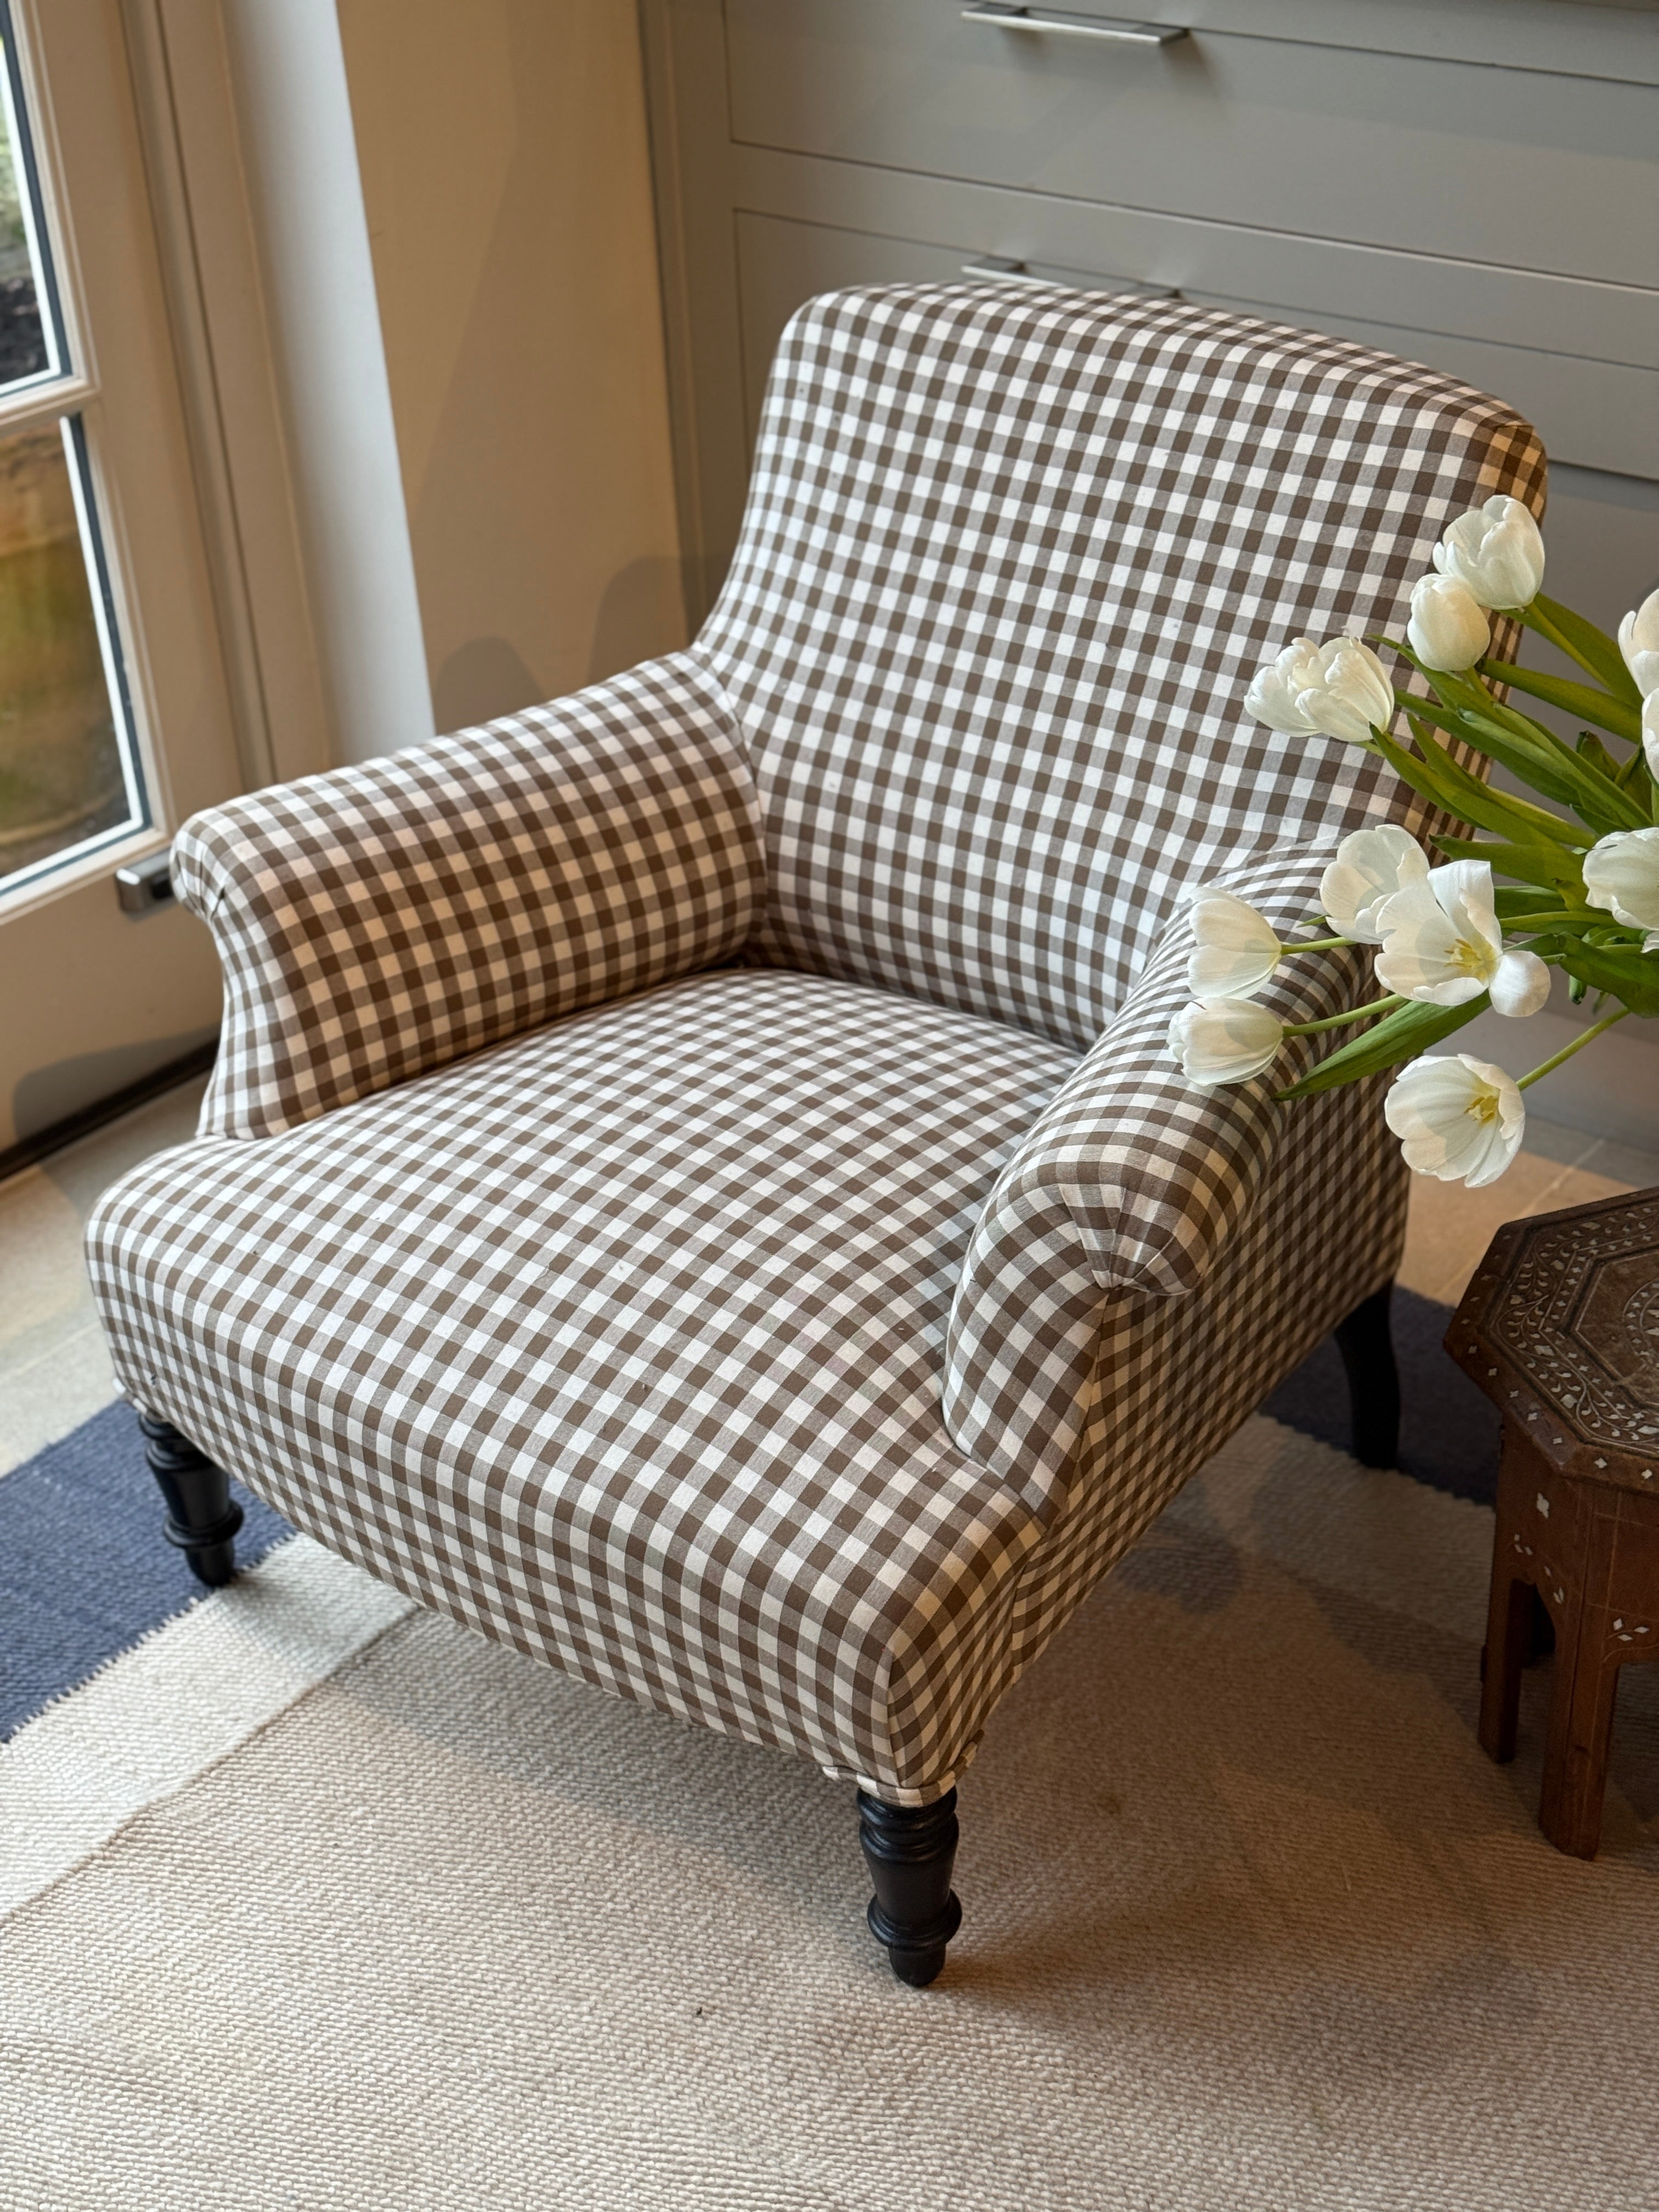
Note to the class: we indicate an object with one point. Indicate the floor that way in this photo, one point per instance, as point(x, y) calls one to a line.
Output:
point(383, 1914)
point(54, 1374)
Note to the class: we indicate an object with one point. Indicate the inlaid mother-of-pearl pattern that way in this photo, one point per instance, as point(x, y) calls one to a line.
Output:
point(1579, 1315)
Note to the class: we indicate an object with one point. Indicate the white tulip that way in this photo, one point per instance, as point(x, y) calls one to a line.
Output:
point(1450, 629)
point(1339, 689)
point(1275, 688)
point(1639, 641)
point(1442, 943)
point(1519, 986)
point(1621, 874)
point(1224, 1041)
point(1239, 949)
point(1497, 551)
point(1650, 731)
point(1369, 867)
point(1459, 1119)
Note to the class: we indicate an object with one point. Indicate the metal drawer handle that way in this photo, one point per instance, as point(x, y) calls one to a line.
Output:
point(993, 265)
point(1062, 23)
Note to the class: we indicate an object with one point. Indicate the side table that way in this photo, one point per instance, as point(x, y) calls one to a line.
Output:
point(1560, 1328)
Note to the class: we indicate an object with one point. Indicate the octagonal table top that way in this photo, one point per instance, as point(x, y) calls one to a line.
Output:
point(1560, 1328)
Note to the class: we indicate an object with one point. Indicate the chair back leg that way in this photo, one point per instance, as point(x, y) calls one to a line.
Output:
point(1367, 1347)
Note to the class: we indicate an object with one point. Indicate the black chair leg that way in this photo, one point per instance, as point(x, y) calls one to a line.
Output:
point(910, 1850)
point(1367, 1350)
point(202, 1518)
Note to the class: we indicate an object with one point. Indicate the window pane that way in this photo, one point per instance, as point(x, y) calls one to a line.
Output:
point(65, 760)
point(24, 351)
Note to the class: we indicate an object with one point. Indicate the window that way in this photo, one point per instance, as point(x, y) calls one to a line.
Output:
point(70, 779)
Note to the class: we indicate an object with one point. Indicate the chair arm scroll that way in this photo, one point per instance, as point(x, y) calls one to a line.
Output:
point(379, 921)
point(1132, 1183)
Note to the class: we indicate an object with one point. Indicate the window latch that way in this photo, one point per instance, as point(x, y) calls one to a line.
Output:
point(144, 885)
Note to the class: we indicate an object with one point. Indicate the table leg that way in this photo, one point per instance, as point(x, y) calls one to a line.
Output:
point(1581, 1700)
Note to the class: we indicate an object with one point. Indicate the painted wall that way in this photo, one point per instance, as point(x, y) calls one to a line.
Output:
point(507, 183)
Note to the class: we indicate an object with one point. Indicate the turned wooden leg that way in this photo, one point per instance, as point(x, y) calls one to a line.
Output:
point(202, 1519)
point(909, 1850)
point(1367, 1349)
point(1509, 1630)
point(1582, 1697)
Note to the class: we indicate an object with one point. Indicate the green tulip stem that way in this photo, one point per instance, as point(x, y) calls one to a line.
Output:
point(1578, 1045)
point(1336, 1021)
point(1315, 944)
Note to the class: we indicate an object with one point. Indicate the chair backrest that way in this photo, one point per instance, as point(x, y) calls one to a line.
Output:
point(1010, 555)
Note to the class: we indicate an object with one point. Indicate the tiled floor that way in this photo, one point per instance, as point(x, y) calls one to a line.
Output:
point(1451, 1226)
point(54, 1373)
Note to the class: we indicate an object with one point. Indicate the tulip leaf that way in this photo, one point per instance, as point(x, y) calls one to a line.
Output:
point(1591, 748)
point(1535, 754)
point(1439, 778)
point(1592, 648)
point(1551, 778)
point(1623, 971)
point(1399, 1036)
point(1578, 700)
point(1549, 865)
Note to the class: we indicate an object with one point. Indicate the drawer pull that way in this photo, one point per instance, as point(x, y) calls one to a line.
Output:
point(1062, 23)
point(993, 265)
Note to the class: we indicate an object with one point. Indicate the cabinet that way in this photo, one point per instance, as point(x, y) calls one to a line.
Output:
point(1470, 182)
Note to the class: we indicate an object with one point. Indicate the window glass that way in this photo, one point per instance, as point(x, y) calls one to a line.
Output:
point(69, 777)
point(63, 767)
point(24, 351)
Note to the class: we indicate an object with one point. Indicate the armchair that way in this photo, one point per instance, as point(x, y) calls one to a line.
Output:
point(694, 1185)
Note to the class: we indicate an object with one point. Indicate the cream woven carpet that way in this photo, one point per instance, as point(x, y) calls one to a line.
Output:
point(1251, 1922)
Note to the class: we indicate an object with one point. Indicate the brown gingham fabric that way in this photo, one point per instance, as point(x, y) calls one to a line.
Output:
point(1011, 557)
point(377, 921)
point(622, 1343)
point(793, 1346)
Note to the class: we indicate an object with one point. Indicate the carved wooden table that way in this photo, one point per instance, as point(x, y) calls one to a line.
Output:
point(1560, 1328)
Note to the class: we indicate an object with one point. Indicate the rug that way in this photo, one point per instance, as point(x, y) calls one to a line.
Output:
point(1250, 1924)
point(309, 1900)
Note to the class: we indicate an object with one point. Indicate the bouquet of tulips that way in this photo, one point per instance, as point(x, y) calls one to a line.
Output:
point(1572, 883)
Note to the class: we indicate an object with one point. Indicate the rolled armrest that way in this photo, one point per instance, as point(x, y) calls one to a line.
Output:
point(379, 921)
point(1132, 1182)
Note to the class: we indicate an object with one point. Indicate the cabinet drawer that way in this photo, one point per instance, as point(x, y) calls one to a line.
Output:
point(1515, 167)
point(1595, 414)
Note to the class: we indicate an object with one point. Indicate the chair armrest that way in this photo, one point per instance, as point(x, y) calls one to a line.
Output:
point(1131, 1183)
point(379, 921)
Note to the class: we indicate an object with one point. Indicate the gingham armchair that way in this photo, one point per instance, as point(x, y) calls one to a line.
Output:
point(695, 1184)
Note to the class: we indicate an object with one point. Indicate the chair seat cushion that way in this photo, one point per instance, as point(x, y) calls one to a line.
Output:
point(622, 1343)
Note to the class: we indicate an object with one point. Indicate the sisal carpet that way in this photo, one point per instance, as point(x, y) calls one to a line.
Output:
point(1251, 1925)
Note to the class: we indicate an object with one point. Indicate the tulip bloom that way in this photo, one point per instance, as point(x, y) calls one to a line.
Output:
point(1650, 731)
point(1238, 950)
point(1369, 867)
point(1450, 629)
point(1442, 943)
point(1224, 1041)
point(1621, 874)
point(1639, 641)
point(1458, 1119)
point(1497, 551)
point(1340, 689)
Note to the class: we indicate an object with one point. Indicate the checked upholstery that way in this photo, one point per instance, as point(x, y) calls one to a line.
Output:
point(695, 1184)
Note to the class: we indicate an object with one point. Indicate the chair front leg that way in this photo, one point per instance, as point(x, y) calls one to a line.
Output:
point(1366, 1344)
point(910, 1850)
point(202, 1518)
